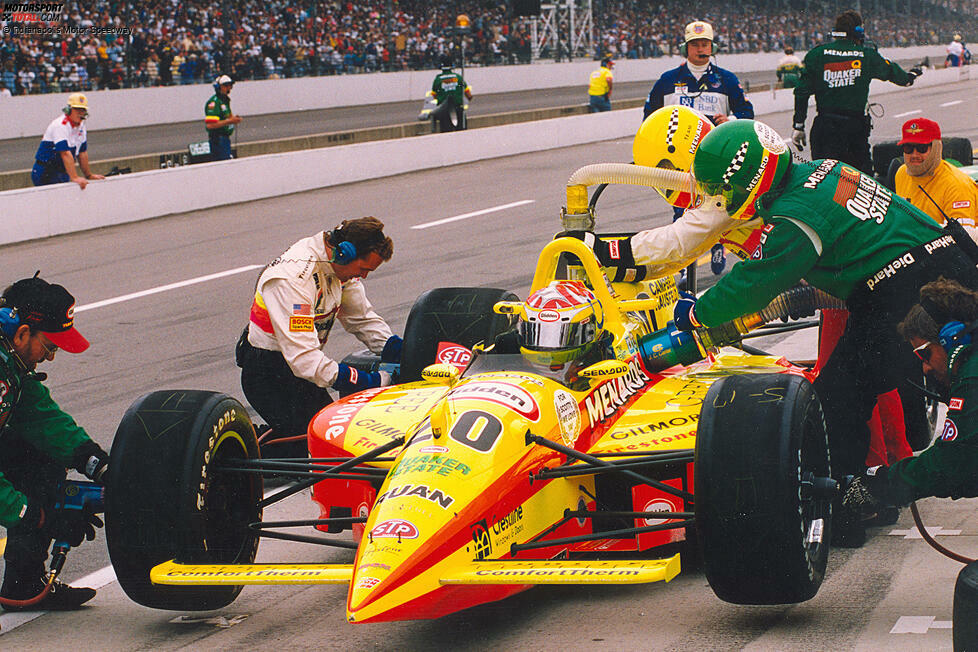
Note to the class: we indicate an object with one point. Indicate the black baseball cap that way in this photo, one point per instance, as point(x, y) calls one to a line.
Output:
point(47, 308)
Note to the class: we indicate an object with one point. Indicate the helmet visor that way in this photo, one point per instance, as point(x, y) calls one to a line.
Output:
point(553, 336)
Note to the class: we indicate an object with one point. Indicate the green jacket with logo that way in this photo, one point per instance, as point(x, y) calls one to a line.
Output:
point(828, 224)
point(449, 83)
point(218, 107)
point(28, 411)
point(838, 74)
point(949, 468)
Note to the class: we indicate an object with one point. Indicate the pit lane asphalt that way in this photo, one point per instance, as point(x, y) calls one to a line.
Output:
point(183, 338)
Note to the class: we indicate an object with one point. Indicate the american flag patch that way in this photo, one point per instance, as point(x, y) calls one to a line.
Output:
point(955, 404)
point(301, 309)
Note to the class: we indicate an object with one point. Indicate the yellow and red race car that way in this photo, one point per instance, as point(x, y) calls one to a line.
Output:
point(556, 440)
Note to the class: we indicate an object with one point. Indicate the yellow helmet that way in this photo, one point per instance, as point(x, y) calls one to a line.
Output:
point(668, 139)
point(78, 101)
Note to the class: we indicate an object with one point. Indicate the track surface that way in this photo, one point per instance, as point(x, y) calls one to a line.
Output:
point(183, 338)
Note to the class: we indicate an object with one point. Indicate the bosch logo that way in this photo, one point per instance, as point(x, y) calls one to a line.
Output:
point(454, 355)
point(659, 505)
point(394, 529)
point(548, 315)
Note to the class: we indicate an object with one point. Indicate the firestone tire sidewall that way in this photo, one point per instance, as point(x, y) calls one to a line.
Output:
point(164, 501)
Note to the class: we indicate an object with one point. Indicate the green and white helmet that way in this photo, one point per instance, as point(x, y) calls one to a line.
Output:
point(740, 160)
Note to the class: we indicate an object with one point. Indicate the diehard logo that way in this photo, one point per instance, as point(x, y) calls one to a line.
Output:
point(394, 529)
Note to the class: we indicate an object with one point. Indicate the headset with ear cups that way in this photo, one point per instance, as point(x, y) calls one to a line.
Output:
point(952, 333)
point(9, 321)
point(344, 251)
point(713, 49)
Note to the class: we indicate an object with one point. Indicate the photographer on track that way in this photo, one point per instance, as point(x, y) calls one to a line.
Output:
point(38, 441)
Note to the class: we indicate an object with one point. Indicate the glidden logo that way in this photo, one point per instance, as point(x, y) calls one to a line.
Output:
point(394, 529)
point(513, 397)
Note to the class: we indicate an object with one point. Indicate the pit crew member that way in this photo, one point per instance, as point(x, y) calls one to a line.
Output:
point(940, 328)
point(64, 142)
point(285, 372)
point(450, 91)
point(843, 233)
point(219, 120)
point(932, 184)
point(599, 87)
point(38, 441)
point(838, 75)
point(705, 87)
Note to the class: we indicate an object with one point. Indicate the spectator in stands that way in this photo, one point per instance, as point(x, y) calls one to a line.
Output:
point(4, 91)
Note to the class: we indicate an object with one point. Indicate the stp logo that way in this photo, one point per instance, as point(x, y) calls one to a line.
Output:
point(950, 431)
point(395, 528)
point(453, 354)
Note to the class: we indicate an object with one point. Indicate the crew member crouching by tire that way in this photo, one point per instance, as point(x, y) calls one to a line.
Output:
point(37, 441)
point(284, 371)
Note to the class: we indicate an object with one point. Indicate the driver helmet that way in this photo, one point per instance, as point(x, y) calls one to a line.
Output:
point(668, 139)
point(560, 322)
point(740, 160)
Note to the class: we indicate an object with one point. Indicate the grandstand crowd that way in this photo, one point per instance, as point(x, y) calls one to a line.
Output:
point(192, 41)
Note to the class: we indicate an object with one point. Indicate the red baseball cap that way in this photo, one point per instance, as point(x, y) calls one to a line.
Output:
point(920, 131)
point(47, 308)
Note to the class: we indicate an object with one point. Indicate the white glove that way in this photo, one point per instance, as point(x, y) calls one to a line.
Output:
point(798, 138)
point(385, 378)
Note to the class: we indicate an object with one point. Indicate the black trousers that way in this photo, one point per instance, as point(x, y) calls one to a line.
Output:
point(285, 402)
point(844, 138)
point(443, 116)
point(37, 476)
point(871, 359)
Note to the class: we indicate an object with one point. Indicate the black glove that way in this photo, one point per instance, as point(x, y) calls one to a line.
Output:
point(73, 525)
point(33, 516)
point(914, 72)
point(91, 461)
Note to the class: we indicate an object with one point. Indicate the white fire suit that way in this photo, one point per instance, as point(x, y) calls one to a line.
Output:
point(297, 299)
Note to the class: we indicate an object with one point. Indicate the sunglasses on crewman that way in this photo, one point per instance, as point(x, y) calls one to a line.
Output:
point(916, 147)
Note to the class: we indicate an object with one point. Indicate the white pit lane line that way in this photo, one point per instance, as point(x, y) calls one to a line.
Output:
point(166, 288)
point(904, 115)
point(465, 216)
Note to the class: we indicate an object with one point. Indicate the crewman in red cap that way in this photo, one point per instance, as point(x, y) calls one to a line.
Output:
point(932, 184)
point(38, 440)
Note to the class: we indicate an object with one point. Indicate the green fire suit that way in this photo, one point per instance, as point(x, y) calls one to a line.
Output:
point(838, 74)
point(946, 469)
point(29, 415)
point(848, 235)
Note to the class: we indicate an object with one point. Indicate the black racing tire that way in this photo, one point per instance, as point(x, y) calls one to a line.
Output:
point(965, 618)
point(460, 315)
point(763, 527)
point(164, 500)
